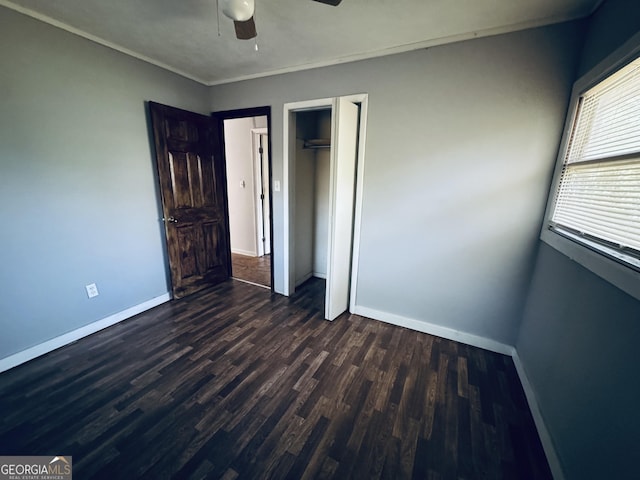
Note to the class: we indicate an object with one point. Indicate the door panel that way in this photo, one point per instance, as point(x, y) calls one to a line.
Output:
point(341, 203)
point(191, 175)
point(214, 254)
point(186, 235)
point(180, 181)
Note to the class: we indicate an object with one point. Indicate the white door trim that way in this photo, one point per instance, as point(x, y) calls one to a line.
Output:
point(363, 100)
point(288, 175)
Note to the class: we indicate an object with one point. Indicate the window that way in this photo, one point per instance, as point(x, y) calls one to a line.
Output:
point(598, 198)
point(593, 214)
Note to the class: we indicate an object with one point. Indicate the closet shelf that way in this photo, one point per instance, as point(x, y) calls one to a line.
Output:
point(317, 143)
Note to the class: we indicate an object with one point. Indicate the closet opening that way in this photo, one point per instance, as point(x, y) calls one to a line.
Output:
point(311, 223)
point(324, 150)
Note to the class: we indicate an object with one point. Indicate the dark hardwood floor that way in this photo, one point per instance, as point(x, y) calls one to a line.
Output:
point(252, 269)
point(235, 382)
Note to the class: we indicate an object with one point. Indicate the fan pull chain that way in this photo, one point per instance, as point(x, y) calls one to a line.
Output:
point(255, 39)
point(218, 16)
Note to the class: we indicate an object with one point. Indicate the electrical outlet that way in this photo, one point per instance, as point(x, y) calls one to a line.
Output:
point(92, 290)
point(276, 185)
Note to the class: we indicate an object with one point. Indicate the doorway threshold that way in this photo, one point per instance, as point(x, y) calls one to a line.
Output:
point(250, 283)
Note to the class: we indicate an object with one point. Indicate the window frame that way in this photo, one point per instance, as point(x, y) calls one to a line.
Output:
point(605, 265)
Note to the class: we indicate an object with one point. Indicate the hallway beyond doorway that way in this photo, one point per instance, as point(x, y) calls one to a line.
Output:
point(256, 270)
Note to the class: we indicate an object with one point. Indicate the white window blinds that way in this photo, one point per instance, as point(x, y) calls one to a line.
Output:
point(599, 193)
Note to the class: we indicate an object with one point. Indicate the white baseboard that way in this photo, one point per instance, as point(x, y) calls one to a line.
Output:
point(304, 278)
point(57, 342)
point(543, 433)
point(320, 275)
point(247, 253)
point(437, 330)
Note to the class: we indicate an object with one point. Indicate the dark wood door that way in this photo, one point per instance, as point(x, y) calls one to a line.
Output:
point(192, 184)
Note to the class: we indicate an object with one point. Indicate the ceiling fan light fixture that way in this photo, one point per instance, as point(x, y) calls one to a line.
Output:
point(238, 10)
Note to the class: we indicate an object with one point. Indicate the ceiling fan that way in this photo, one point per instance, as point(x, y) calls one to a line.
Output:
point(241, 12)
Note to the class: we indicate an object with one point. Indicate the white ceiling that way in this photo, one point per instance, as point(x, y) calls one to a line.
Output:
point(182, 36)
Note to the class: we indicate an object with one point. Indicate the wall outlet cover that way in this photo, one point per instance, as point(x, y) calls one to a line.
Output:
point(92, 290)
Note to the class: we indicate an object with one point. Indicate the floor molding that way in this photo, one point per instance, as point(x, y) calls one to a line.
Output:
point(303, 279)
point(246, 253)
point(437, 330)
point(543, 433)
point(57, 342)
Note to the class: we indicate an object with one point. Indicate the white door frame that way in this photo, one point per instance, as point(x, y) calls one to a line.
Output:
point(258, 187)
point(288, 182)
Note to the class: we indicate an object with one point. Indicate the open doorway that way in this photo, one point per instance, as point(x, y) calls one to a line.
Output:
point(311, 213)
point(246, 145)
point(310, 226)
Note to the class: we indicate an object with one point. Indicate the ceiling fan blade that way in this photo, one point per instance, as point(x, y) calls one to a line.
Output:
point(333, 3)
point(245, 30)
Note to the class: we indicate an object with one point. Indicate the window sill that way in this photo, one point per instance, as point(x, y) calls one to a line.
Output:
point(624, 277)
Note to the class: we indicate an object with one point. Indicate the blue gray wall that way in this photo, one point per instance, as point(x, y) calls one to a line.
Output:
point(580, 336)
point(579, 347)
point(460, 143)
point(78, 196)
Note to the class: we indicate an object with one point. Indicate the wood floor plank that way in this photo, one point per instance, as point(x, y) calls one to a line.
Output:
point(237, 382)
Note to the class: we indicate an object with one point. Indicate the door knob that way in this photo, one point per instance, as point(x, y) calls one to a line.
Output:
point(170, 220)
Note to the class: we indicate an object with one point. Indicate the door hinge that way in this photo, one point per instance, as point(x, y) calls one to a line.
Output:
point(262, 196)
point(260, 150)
